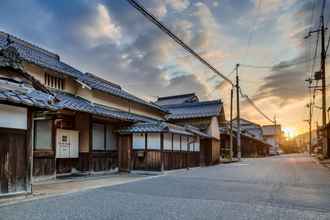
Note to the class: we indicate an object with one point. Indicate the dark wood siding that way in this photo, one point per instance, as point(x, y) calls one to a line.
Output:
point(13, 161)
point(151, 160)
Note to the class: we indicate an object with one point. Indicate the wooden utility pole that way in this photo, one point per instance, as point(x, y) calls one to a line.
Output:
point(231, 125)
point(322, 30)
point(324, 107)
point(238, 135)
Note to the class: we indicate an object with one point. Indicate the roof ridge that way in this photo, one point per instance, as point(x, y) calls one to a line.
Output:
point(217, 101)
point(175, 96)
point(30, 45)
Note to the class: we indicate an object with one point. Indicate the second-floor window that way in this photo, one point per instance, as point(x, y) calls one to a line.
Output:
point(54, 81)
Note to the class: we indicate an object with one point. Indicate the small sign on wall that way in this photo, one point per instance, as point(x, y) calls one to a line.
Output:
point(67, 143)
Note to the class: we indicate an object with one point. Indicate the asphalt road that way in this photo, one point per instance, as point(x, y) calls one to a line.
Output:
point(282, 187)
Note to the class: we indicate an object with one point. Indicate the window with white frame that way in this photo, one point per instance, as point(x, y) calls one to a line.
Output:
point(139, 141)
point(43, 134)
point(176, 142)
point(153, 141)
point(184, 143)
point(167, 141)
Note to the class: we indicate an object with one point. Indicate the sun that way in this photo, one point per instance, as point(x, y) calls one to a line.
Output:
point(289, 132)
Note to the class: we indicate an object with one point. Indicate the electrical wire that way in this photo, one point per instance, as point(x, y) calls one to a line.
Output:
point(166, 30)
point(255, 106)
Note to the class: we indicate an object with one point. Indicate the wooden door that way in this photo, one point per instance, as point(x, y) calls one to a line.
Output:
point(125, 143)
point(13, 162)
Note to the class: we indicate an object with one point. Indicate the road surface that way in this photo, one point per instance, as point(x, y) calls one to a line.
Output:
point(281, 187)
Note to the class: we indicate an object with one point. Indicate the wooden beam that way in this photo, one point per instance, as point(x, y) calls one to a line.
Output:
point(161, 152)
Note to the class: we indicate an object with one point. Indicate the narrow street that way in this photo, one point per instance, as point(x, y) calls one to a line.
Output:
point(281, 187)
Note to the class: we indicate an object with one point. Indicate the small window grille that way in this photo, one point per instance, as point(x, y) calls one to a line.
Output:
point(54, 82)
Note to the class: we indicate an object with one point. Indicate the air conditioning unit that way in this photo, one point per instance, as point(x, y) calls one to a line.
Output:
point(67, 143)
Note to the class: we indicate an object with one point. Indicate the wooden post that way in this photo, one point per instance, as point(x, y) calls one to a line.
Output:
point(29, 152)
point(145, 150)
point(162, 152)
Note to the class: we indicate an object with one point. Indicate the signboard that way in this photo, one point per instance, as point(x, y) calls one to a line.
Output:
point(67, 143)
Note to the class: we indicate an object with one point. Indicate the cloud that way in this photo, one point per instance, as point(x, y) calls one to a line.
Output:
point(178, 5)
point(101, 28)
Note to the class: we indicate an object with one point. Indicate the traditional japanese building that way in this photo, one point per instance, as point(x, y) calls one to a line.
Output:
point(92, 125)
point(207, 116)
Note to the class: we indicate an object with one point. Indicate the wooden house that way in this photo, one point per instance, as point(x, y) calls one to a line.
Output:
point(251, 145)
point(81, 135)
point(20, 97)
point(208, 116)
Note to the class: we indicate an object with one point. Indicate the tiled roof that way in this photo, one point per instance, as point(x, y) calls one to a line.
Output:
point(177, 99)
point(28, 96)
point(76, 103)
point(196, 131)
point(102, 85)
point(194, 110)
point(38, 56)
point(155, 127)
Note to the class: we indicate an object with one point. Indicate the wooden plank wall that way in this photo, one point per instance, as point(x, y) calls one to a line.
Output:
point(13, 161)
point(150, 160)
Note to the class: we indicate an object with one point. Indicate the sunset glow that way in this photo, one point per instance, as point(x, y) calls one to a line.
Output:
point(289, 132)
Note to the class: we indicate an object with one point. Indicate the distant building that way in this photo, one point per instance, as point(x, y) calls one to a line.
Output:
point(249, 127)
point(272, 134)
point(207, 116)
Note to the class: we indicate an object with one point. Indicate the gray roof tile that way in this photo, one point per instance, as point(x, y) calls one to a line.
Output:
point(102, 85)
point(38, 56)
point(27, 97)
point(194, 110)
point(76, 103)
point(155, 127)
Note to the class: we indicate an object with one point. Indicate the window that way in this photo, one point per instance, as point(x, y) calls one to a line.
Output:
point(196, 144)
point(54, 81)
point(111, 138)
point(191, 143)
point(167, 141)
point(138, 141)
point(104, 139)
point(154, 141)
point(43, 134)
point(98, 137)
point(184, 143)
point(176, 142)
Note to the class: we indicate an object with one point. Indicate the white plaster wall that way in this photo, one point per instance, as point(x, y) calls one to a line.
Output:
point(176, 142)
point(13, 117)
point(197, 144)
point(167, 141)
point(154, 141)
point(213, 129)
point(184, 142)
point(138, 141)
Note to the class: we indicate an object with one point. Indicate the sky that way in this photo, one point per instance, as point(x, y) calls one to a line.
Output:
point(111, 39)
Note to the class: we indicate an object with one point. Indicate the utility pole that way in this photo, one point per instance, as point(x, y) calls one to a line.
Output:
point(324, 107)
point(322, 30)
point(310, 106)
point(231, 125)
point(238, 135)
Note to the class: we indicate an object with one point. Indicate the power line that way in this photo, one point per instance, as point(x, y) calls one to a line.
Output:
point(166, 30)
point(255, 106)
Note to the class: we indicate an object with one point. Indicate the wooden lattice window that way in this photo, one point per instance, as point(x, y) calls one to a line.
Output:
point(54, 81)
